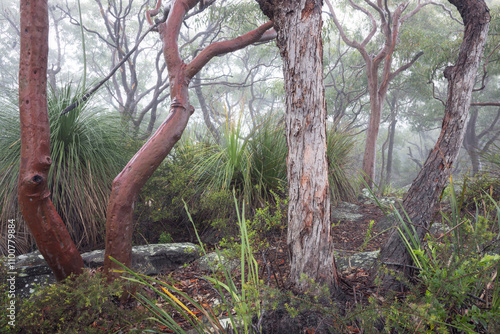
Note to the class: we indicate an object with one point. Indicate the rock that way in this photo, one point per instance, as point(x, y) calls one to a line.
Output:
point(386, 202)
point(358, 260)
point(148, 260)
point(345, 211)
point(210, 262)
point(151, 259)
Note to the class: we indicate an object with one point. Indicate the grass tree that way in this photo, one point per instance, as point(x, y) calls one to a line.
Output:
point(85, 145)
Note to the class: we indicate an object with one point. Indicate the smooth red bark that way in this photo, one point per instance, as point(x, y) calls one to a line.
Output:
point(46, 226)
point(129, 182)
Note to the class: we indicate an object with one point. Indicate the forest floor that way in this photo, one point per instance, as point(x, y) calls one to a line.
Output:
point(349, 237)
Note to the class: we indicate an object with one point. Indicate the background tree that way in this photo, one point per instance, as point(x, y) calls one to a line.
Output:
point(378, 64)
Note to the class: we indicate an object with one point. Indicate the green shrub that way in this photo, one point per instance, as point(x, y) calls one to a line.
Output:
point(85, 304)
point(457, 289)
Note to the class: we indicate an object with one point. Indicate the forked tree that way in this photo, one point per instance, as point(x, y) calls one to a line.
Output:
point(378, 65)
point(41, 217)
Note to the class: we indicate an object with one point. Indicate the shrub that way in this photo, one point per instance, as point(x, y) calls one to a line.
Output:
point(457, 289)
point(85, 304)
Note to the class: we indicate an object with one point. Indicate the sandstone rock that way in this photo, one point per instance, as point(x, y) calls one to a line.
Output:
point(345, 211)
point(148, 259)
point(212, 262)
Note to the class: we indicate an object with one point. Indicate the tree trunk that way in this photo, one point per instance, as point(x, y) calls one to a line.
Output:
point(423, 195)
point(310, 244)
point(128, 183)
point(46, 226)
point(376, 104)
point(471, 142)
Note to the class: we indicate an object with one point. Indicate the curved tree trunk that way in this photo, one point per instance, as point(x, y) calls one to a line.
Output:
point(423, 195)
point(128, 183)
point(310, 244)
point(46, 226)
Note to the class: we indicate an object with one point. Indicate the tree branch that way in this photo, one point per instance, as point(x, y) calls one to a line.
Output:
point(221, 48)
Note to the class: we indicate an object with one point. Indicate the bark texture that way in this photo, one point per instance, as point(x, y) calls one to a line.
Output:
point(46, 226)
point(128, 183)
point(309, 239)
point(423, 195)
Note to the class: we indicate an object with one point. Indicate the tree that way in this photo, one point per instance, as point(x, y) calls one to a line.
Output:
point(128, 183)
point(426, 189)
point(46, 226)
point(378, 65)
point(298, 25)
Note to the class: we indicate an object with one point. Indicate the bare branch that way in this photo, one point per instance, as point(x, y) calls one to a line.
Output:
point(220, 48)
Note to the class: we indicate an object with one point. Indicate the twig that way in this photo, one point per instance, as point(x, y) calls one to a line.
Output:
point(87, 95)
point(402, 265)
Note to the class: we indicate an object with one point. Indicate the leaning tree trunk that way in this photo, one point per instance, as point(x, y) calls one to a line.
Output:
point(46, 226)
point(310, 244)
point(423, 195)
point(128, 183)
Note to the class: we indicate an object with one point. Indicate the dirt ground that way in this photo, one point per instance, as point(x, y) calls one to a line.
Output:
point(349, 237)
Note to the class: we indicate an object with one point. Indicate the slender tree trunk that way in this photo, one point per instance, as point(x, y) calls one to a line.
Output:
point(471, 142)
point(376, 104)
point(46, 226)
point(204, 108)
point(390, 150)
point(423, 195)
point(298, 24)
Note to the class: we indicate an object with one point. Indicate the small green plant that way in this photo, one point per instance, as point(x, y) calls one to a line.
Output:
point(165, 238)
point(457, 272)
point(240, 305)
point(266, 220)
point(368, 235)
point(83, 304)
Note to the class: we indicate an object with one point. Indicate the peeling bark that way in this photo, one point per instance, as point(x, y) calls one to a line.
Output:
point(423, 195)
point(46, 226)
point(309, 239)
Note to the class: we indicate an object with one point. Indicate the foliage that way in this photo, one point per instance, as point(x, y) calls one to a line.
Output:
point(252, 163)
point(340, 144)
point(87, 150)
point(161, 206)
point(458, 287)
point(83, 304)
point(271, 218)
point(244, 303)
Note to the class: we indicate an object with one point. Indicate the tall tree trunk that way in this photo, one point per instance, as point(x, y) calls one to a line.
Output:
point(309, 239)
point(376, 103)
point(423, 195)
point(46, 226)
